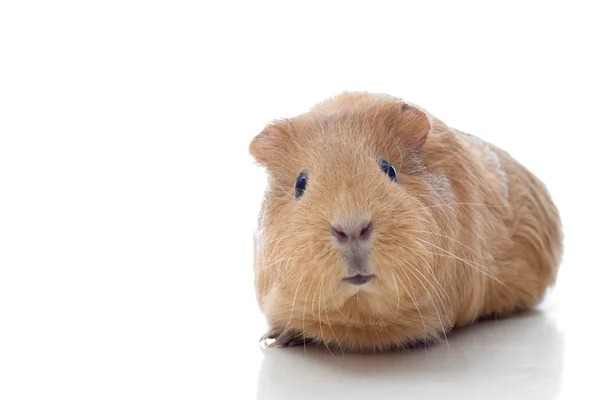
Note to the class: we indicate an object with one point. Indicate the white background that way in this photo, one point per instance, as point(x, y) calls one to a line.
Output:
point(128, 198)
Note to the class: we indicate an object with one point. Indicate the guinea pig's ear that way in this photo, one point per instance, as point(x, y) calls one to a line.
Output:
point(268, 144)
point(414, 125)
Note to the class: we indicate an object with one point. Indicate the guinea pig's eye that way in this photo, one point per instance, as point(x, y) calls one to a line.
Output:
point(388, 169)
point(300, 185)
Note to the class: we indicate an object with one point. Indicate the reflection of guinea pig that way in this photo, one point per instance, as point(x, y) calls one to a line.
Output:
point(514, 358)
point(381, 226)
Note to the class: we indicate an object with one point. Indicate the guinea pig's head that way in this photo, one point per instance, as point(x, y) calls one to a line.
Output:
point(343, 210)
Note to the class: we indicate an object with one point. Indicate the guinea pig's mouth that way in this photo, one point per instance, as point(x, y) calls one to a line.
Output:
point(359, 279)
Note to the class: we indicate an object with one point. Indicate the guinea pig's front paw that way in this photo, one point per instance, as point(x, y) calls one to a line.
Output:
point(284, 338)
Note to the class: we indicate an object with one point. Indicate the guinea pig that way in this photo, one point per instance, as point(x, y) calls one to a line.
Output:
point(382, 227)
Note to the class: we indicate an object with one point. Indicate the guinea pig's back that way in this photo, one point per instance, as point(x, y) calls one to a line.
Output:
point(526, 264)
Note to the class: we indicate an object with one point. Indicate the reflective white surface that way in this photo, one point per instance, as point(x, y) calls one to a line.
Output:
point(519, 358)
point(128, 198)
point(544, 354)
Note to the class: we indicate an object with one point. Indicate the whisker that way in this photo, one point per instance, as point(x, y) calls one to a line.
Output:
point(428, 268)
point(450, 255)
point(447, 237)
point(284, 281)
point(453, 204)
point(337, 307)
point(413, 300)
point(434, 306)
point(434, 289)
point(300, 281)
point(489, 273)
point(304, 317)
point(278, 238)
point(320, 323)
point(329, 324)
point(277, 262)
point(439, 201)
point(276, 242)
point(397, 291)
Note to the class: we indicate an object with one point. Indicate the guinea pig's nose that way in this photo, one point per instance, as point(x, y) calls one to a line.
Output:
point(352, 229)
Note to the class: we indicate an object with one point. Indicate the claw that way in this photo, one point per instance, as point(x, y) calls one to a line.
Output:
point(283, 338)
point(270, 334)
point(286, 339)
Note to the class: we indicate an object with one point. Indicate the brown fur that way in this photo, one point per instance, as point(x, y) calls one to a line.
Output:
point(468, 232)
